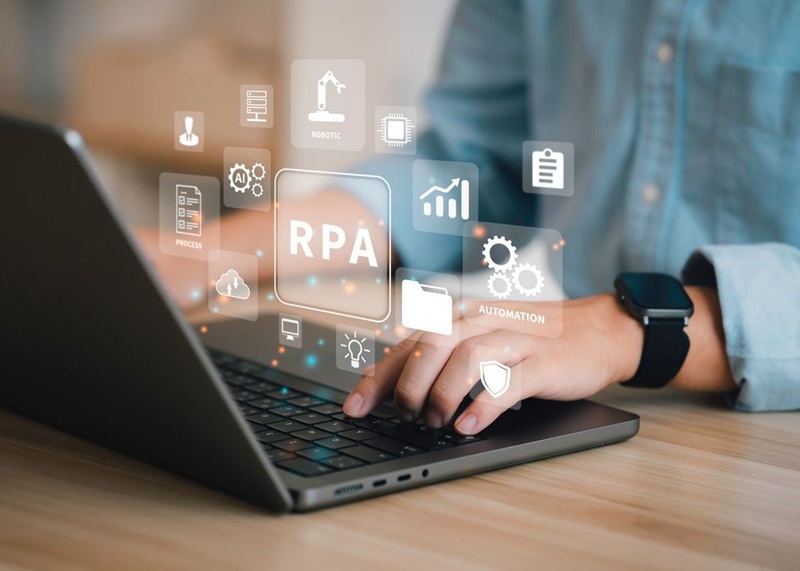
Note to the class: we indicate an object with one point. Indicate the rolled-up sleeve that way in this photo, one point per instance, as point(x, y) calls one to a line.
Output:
point(759, 292)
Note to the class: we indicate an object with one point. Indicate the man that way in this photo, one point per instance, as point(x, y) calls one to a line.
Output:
point(685, 116)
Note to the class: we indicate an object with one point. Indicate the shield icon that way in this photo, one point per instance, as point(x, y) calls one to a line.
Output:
point(496, 377)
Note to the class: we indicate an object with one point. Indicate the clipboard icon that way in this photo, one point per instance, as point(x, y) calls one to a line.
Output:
point(426, 308)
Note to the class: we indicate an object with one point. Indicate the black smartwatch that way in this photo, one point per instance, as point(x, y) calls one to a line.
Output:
point(664, 308)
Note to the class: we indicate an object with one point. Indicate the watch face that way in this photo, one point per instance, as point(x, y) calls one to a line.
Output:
point(655, 294)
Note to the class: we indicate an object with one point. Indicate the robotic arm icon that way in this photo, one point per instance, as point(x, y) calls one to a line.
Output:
point(322, 115)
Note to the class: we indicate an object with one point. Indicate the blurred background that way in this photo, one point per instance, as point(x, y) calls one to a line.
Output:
point(117, 71)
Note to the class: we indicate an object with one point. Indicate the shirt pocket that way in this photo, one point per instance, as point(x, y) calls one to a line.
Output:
point(756, 154)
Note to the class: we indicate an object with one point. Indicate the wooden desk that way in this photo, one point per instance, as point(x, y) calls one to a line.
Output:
point(701, 487)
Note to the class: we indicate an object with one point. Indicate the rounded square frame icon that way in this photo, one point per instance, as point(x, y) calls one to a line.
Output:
point(396, 130)
point(234, 285)
point(328, 104)
point(496, 374)
point(247, 178)
point(355, 350)
point(514, 275)
point(548, 167)
point(327, 261)
point(444, 196)
point(188, 212)
point(425, 301)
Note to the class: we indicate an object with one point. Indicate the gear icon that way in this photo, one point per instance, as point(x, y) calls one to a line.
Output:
point(504, 291)
point(258, 190)
point(530, 291)
point(258, 171)
point(506, 243)
point(239, 178)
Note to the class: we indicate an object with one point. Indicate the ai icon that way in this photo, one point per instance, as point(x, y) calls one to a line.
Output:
point(496, 377)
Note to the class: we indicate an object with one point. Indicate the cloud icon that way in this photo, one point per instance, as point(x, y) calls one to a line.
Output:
point(230, 284)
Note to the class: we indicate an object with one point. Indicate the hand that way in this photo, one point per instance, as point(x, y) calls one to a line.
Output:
point(600, 344)
point(430, 374)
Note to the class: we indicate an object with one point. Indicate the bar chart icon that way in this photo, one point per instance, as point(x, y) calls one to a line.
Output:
point(455, 196)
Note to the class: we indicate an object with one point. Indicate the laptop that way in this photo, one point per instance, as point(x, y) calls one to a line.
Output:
point(93, 345)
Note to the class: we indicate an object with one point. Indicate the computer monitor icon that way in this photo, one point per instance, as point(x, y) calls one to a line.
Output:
point(290, 328)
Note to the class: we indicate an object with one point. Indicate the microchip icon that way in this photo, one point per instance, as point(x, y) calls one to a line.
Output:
point(396, 130)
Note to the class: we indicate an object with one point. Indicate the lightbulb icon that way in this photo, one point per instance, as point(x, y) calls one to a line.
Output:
point(355, 349)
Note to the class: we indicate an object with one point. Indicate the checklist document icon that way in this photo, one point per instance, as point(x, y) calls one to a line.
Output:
point(548, 169)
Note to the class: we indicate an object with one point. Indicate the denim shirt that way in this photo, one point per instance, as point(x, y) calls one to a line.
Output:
point(685, 118)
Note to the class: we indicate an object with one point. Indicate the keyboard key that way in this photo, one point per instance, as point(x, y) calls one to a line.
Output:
point(359, 434)
point(311, 418)
point(242, 395)
point(335, 442)
point(327, 408)
point(292, 445)
point(287, 425)
point(342, 462)
point(304, 467)
point(306, 401)
point(456, 438)
point(376, 424)
point(264, 418)
point(334, 426)
point(247, 410)
point(261, 387)
point(265, 403)
point(270, 436)
point(287, 410)
point(317, 453)
point(246, 367)
point(311, 434)
point(341, 416)
point(283, 394)
point(277, 455)
point(416, 435)
point(234, 379)
point(394, 446)
point(384, 411)
point(367, 454)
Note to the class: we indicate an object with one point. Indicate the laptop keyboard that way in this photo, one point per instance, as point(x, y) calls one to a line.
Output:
point(311, 436)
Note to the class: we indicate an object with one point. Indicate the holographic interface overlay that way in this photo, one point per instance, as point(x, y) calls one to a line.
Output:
point(188, 215)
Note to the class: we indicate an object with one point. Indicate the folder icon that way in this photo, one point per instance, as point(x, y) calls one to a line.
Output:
point(426, 308)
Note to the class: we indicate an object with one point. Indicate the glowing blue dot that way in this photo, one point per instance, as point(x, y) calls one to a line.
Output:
point(259, 253)
point(284, 390)
point(215, 310)
point(196, 294)
point(343, 280)
point(311, 360)
point(378, 280)
point(270, 297)
point(321, 342)
point(312, 280)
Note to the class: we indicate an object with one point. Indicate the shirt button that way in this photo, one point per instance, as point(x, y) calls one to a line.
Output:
point(651, 194)
point(665, 53)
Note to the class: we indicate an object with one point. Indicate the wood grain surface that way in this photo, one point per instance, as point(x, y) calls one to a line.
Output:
point(701, 487)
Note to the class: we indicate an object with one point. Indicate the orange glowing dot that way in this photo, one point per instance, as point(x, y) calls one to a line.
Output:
point(386, 350)
point(479, 231)
point(562, 242)
point(281, 350)
point(204, 329)
point(274, 362)
point(399, 330)
point(277, 205)
point(360, 222)
point(555, 247)
point(417, 354)
point(350, 287)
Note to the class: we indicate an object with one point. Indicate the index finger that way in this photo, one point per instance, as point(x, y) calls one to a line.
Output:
point(371, 391)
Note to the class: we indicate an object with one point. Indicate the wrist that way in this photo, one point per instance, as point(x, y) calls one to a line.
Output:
point(625, 337)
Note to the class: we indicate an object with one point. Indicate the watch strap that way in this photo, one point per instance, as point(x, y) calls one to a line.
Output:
point(665, 348)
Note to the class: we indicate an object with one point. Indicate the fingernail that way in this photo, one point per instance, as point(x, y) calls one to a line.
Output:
point(433, 418)
point(466, 424)
point(353, 404)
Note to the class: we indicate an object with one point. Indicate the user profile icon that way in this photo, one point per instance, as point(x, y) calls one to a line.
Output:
point(189, 131)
